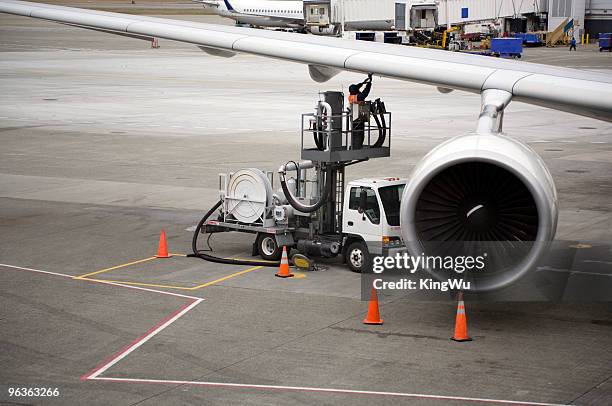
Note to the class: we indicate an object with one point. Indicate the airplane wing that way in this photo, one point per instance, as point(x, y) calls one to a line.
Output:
point(580, 92)
point(211, 3)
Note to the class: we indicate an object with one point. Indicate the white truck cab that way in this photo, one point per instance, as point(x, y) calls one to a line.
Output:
point(370, 219)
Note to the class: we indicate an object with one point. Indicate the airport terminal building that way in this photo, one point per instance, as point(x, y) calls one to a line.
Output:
point(590, 16)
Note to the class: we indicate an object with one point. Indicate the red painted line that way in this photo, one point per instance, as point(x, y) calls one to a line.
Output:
point(194, 301)
point(135, 342)
point(326, 390)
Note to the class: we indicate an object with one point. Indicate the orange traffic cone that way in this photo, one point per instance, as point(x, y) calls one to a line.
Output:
point(373, 316)
point(460, 321)
point(162, 249)
point(283, 271)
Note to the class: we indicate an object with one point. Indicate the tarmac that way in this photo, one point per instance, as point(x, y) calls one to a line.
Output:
point(106, 141)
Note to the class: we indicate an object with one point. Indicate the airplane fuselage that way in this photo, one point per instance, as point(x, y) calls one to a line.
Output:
point(261, 13)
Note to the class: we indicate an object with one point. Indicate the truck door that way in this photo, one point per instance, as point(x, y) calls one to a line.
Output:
point(363, 221)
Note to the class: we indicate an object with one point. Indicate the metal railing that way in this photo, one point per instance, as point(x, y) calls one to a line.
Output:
point(333, 138)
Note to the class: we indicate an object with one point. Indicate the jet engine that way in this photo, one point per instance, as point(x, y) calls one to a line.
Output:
point(484, 190)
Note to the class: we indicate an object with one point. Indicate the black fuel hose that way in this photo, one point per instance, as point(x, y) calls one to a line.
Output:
point(197, 253)
point(381, 123)
point(319, 136)
point(303, 207)
point(381, 132)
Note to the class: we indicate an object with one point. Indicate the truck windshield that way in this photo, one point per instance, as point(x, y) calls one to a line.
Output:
point(391, 197)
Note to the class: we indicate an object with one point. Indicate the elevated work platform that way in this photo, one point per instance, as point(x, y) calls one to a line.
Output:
point(340, 138)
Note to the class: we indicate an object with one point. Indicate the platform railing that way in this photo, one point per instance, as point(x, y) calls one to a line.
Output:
point(324, 143)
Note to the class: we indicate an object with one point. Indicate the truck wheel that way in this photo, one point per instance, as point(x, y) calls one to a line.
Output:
point(356, 255)
point(267, 247)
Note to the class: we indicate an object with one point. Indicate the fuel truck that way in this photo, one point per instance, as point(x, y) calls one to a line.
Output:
point(314, 210)
point(479, 191)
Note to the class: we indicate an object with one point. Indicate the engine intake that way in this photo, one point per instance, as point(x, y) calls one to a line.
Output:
point(481, 192)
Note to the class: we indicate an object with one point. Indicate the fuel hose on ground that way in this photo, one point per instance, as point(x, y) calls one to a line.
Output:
point(230, 261)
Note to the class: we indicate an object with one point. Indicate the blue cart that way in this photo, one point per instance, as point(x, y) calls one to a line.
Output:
point(604, 41)
point(529, 39)
point(507, 47)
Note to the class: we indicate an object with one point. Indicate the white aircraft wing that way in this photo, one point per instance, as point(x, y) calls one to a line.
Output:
point(580, 92)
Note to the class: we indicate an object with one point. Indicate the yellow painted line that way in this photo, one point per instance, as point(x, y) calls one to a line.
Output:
point(226, 277)
point(113, 268)
point(150, 285)
point(581, 246)
point(258, 260)
point(153, 285)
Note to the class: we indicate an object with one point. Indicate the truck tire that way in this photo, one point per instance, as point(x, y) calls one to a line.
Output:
point(355, 256)
point(268, 248)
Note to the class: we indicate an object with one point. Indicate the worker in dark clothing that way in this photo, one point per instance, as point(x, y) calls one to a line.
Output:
point(573, 44)
point(357, 98)
point(356, 95)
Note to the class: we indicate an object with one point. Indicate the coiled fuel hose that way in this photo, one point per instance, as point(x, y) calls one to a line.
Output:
point(230, 261)
point(304, 208)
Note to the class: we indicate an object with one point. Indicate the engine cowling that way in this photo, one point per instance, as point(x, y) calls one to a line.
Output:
point(491, 189)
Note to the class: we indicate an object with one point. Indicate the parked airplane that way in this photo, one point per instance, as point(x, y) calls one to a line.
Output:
point(282, 14)
point(259, 13)
point(521, 199)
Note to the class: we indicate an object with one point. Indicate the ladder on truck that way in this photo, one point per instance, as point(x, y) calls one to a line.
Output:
point(339, 198)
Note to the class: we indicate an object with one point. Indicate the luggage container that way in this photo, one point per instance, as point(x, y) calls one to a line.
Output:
point(507, 47)
point(605, 42)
